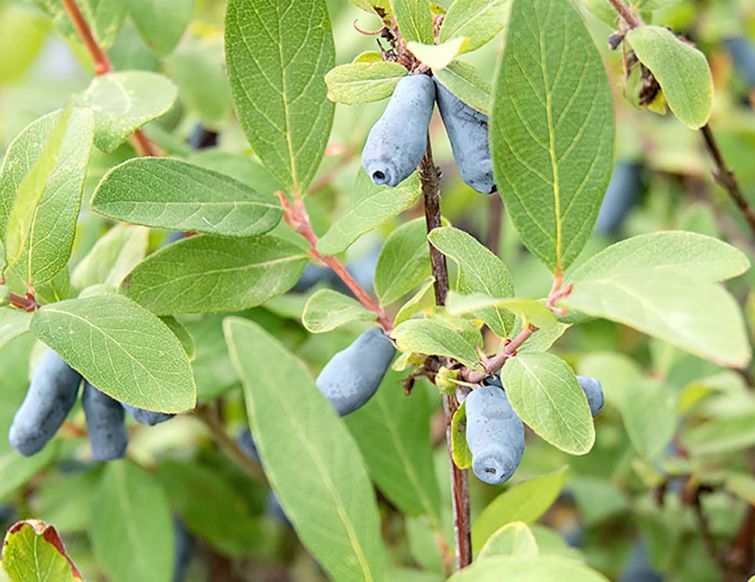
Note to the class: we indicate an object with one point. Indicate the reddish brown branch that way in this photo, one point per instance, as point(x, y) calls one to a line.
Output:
point(496, 363)
point(26, 302)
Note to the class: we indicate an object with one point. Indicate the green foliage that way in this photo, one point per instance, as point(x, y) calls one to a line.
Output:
point(442, 335)
point(403, 263)
point(463, 80)
point(327, 310)
point(363, 82)
point(415, 21)
point(513, 539)
point(476, 20)
point(161, 24)
point(34, 549)
point(525, 568)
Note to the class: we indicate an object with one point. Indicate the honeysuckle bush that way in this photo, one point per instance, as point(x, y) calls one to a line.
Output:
point(186, 222)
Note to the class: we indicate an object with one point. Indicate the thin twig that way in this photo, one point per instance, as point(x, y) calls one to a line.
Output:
point(430, 179)
point(632, 20)
point(493, 237)
point(496, 363)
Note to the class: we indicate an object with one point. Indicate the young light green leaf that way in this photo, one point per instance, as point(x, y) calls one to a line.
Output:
point(41, 182)
point(393, 433)
point(463, 80)
point(528, 568)
point(685, 310)
point(130, 501)
point(112, 257)
point(534, 312)
point(513, 539)
point(440, 335)
point(480, 271)
point(552, 129)
point(404, 262)
point(13, 323)
point(477, 20)
point(327, 310)
point(122, 349)
point(680, 69)
point(462, 456)
point(161, 24)
point(172, 194)
point(104, 17)
point(311, 460)
point(415, 21)
point(202, 274)
point(363, 82)
point(689, 252)
point(526, 502)
point(371, 5)
point(370, 206)
point(544, 392)
point(411, 307)
point(123, 102)
point(438, 56)
point(33, 550)
point(278, 85)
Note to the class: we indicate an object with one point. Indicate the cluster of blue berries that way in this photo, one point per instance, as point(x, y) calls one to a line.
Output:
point(51, 396)
point(495, 434)
point(397, 142)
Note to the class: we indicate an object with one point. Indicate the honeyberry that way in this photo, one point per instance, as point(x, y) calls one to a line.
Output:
point(593, 389)
point(105, 424)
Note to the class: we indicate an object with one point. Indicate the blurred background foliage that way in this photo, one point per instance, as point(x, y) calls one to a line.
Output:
point(676, 438)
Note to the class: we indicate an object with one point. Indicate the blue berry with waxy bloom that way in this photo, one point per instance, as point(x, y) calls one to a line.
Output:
point(495, 435)
point(593, 389)
point(354, 374)
point(621, 195)
point(148, 417)
point(397, 142)
point(106, 424)
point(51, 396)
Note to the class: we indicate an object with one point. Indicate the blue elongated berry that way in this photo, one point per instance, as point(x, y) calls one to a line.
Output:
point(106, 424)
point(148, 417)
point(398, 140)
point(467, 131)
point(274, 509)
point(185, 543)
point(353, 375)
point(594, 391)
point(495, 435)
point(622, 194)
point(311, 276)
point(743, 55)
point(246, 443)
point(51, 395)
point(202, 138)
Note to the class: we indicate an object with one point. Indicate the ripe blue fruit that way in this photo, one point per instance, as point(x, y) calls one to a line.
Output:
point(202, 138)
point(311, 276)
point(622, 194)
point(274, 509)
point(743, 55)
point(51, 395)
point(246, 443)
point(593, 389)
point(148, 417)
point(467, 131)
point(353, 375)
point(397, 142)
point(495, 435)
point(105, 424)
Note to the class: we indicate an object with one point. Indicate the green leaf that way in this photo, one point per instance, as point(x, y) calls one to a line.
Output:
point(41, 182)
point(182, 334)
point(172, 194)
point(463, 80)
point(534, 312)
point(33, 550)
point(681, 70)
point(480, 271)
point(404, 262)
point(552, 129)
point(440, 335)
point(544, 392)
point(462, 456)
point(22, 36)
point(393, 433)
point(477, 20)
point(212, 367)
point(370, 5)
point(363, 82)
point(121, 348)
point(648, 409)
point(415, 21)
point(369, 207)
point(312, 462)
point(161, 24)
point(202, 274)
point(104, 17)
point(598, 499)
point(239, 167)
point(526, 502)
point(413, 304)
point(123, 102)
point(513, 539)
point(132, 530)
point(327, 310)
point(438, 56)
point(721, 435)
point(112, 257)
point(528, 568)
point(278, 85)
point(210, 507)
point(13, 323)
point(689, 252)
point(682, 309)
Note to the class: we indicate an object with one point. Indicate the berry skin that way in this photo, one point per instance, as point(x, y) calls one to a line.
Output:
point(312, 275)
point(397, 142)
point(148, 417)
point(246, 443)
point(594, 391)
point(467, 131)
point(495, 435)
point(622, 193)
point(353, 375)
point(105, 424)
point(51, 395)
